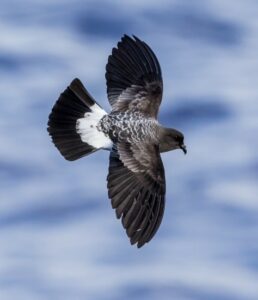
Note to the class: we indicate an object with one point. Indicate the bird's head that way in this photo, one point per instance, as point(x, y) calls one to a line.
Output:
point(171, 139)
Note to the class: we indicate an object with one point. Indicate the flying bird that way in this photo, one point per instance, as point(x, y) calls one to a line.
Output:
point(131, 132)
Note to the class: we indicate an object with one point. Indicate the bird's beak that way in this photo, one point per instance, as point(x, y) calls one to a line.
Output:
point(183, 147)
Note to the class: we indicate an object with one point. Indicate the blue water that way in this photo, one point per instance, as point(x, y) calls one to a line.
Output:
point(59, 238)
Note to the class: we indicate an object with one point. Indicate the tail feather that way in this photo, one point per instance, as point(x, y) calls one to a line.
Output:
point(73, 115)
point(81, 93)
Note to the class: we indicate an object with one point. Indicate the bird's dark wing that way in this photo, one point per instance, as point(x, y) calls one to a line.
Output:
point(134, 79)
point(136, 187)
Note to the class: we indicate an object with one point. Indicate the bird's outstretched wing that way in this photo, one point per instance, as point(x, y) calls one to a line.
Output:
point(134, 79)
point(136, 187)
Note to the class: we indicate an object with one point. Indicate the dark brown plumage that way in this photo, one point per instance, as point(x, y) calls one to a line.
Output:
point(136, 186)
point(79, 126)
point(134, 79)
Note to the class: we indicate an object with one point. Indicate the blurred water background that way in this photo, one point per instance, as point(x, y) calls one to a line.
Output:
point(59, 238)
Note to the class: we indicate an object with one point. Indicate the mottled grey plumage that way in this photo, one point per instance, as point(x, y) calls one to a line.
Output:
point(129, 127)
point(136, 178)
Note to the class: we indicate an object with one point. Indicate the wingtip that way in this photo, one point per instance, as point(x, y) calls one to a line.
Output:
point(140, 244)
point(136, 240)
point(132, 37)
point(136, 38)
point(125, 37)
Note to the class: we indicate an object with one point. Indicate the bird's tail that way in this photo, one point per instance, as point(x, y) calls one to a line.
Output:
point(73, 123)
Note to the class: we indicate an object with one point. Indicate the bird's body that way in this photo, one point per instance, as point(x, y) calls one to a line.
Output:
point(131, 132)
point(130, 127)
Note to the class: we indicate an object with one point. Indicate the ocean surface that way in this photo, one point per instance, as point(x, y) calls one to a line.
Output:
point(59, 238)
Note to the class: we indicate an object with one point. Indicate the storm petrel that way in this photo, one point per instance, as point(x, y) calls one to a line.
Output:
point(131, 132)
